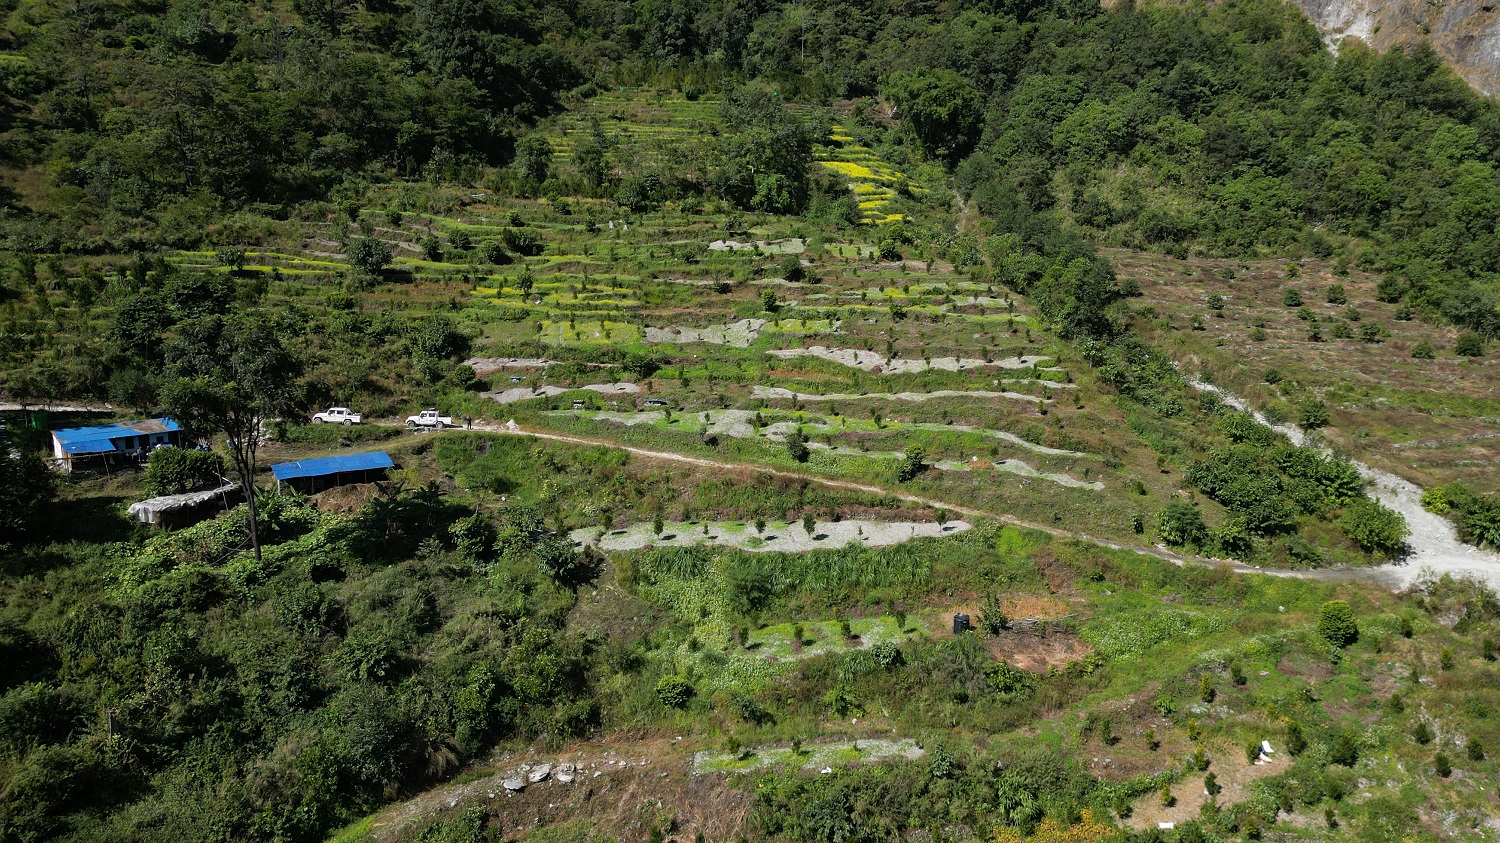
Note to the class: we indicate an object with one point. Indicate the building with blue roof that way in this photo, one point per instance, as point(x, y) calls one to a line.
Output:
point(74, 445)
point(313, 476)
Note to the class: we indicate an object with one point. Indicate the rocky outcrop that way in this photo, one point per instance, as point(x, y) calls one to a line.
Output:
point(1466, 33)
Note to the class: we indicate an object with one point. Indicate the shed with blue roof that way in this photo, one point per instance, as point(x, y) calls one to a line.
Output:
point(73, 445)
point(313, 476)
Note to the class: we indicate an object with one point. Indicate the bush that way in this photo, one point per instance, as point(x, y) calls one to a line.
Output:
point(1473, 748)
point(1422, 733)
point(493, 252)
point(1312, 414)
point(912, 466)
point(1345, 752)
point(1180, 524)
point(171, 471)
point(674, 691)
point(1469, 345)
point(369, 255)
point(1337, 295)
point(1292, 297)
point(1374, 528)
point(1423, 351)
point(791, 268)
point(1336, 623)
point(230, 256)
point(1441, 765)
point(522, 241)
point(1296, 743)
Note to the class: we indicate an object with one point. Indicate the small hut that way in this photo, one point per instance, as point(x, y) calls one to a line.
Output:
point(312, 476)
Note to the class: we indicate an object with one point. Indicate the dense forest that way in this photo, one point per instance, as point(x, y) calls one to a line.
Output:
point(1223, 130)
point(177, 684)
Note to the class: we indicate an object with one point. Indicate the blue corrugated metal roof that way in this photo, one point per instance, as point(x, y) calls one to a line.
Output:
point(332, 465)
point(98, 439)
point(88, 446)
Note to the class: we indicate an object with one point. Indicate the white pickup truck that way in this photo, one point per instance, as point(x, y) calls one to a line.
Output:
point(338, 415)
point(430, 419)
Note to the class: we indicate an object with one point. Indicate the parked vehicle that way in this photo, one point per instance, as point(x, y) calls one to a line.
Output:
point(429, 419)
point(338, 415)
point(656, 402)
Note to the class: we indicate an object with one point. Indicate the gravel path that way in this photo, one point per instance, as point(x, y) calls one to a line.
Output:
point(788, 246)
point(526, 393)
point(1433, 546)
point(784, 538)
point(737, 335)
point(869, 361)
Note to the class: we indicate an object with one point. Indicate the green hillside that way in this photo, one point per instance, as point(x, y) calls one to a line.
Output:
point(786, 332)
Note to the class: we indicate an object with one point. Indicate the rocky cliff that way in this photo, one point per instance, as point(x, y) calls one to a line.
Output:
point(1465, 32)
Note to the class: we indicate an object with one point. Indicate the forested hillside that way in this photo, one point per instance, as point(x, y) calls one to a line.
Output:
point(788, 332)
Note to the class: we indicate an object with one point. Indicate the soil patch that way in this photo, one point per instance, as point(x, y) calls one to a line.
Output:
point(345, 499)
point(1233, 775)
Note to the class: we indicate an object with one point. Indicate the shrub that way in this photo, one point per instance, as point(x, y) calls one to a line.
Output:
point(230, 256)
point(912, 466)
point(796, 447)
point(1423, 351)
point(431, 249)
point(1422, 733)
point(1473, 748)
point(493, 252)
point(791, 268)
point(1435, 501)
point(992, 617)
point(1336, 623)
point(1292, 297)
point(1215, 302)
point(1441, 765)
point(674, 690)
point(369, 256)
point(1345, 752)
point(1296, 743)
point(1312, 413)
point(1206, 690)
point(1374, 528)
point(170, 471)
point(1469, 345)
point(1337, 295)
point(522, 241)
point(1180, 524)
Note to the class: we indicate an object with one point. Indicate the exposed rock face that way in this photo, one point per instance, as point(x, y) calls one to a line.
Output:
point(1466, 33)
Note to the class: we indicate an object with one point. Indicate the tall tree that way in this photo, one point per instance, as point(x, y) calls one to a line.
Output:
point(252, 380)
